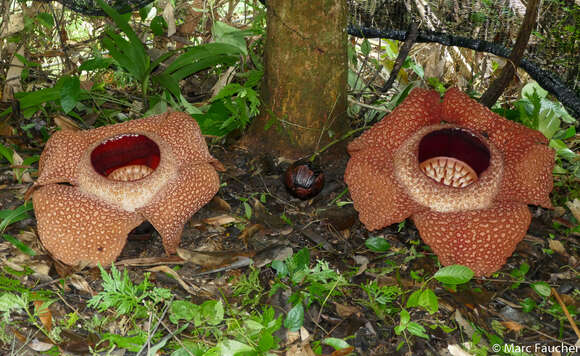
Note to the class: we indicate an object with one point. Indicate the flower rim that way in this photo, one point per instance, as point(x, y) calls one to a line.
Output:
point(437, 196)
point(126, 195)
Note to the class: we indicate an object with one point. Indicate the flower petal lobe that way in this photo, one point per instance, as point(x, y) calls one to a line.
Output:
point(376, 194)
point(420, 108)
point(194, 187)
point(75, 227)
point(480, 239)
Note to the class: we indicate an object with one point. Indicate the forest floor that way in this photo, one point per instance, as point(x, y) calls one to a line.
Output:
point(254, 216)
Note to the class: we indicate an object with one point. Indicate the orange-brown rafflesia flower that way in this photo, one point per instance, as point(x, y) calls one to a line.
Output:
point(95, 186)
point(464, 174)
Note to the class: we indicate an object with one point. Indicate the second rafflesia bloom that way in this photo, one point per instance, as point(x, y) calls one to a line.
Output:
point(463, 173)
point(95, 186)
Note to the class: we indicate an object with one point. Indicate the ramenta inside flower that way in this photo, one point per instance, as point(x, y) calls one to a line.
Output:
point(453, 156)
point(126, 157)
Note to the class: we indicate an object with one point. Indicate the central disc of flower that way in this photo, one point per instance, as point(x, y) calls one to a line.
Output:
point(127, 157)
point(453, 156)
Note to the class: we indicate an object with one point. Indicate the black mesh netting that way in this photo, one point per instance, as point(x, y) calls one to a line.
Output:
point(92, 8)
point(552, 56)
point(554, 46)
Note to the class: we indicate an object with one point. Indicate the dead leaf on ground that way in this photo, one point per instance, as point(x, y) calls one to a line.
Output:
point(165, 269)
point(344, 311)
point(250, 231)
point(218, 203)
point(464, 324)
point(17, 161)
point(210, 259)
point(150, 261)
point(457, 350)
point(272, 253)
point(363, 262)
point(512, 325)
point(557, 246)
point(300, 350)
point(80, 284)
point(574, 207)
point(221, 220)
point(65, 123)
point(39, 346)
point(44, 314)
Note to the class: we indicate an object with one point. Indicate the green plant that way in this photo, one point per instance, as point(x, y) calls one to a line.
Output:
point(20, 166)
point(121, 294)
point(11, 302)
point(519, 274)
point(536, 111)
point(316, 284)
point(381, 299)
point(450, 276)
point(406, 325)
point(249, 288)
point(11, 216)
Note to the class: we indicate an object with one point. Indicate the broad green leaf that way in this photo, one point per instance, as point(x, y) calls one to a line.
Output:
point(417, 330)
point(266, 342)
point(295, 318)
point(182, 310)
point(377, 244)
point(131, 343)
point(45, 19)
point(70, 92)
point(7, 153)
point(8, 217)
point(336, 343)
point(216, 52)
point(405, 317)
point(413, 300)
point(166, 81)
point(96, 63)
point(562, 150)
point(455, 274)
point(247, 210)
point(542, 288)
point(19, 244)
point(528, 305)
point(224, 33)
point(533, 87)
point(232, 348)
point(565, 134)
point(365, 47)
point(302, 259)
point(280, 268)
point(548, 123)
point(158, 25)
point(428, 300)
point(253, 326)
point(213, 311)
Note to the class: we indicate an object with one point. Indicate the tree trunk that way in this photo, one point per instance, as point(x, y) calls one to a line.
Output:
point(304, 88)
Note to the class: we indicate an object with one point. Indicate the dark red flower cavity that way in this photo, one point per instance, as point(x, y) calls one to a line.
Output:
point(126, 157)
point(453, 156)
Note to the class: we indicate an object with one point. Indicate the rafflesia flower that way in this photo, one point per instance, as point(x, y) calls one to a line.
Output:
point(95, 186)
point(464, 174)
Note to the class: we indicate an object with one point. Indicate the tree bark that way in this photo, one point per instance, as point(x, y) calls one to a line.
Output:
point(305, 77)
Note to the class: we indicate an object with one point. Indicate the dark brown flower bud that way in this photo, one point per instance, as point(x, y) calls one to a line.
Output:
point(304, 179)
